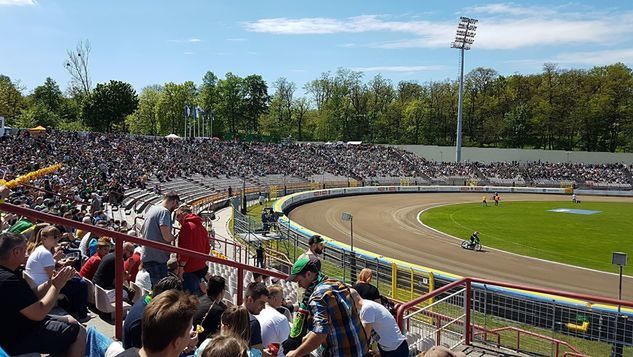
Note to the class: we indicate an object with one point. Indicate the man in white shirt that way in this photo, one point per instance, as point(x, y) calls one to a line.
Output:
point(376, 318)
point(274, 325)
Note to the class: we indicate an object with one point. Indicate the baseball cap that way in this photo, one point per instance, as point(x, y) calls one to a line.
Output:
point(302, 265)
point(316, 239)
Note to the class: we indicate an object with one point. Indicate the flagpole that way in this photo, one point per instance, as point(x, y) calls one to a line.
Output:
point(185, 121)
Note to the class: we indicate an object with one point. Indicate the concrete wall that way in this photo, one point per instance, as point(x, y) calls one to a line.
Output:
point(447, 154)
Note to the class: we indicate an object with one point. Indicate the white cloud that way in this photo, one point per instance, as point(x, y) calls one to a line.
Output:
point(191, 40)
point(402, 69)
point(188, 53)
point(501, 26)
point(597, 57)
point(509, 9)
point(17, 2)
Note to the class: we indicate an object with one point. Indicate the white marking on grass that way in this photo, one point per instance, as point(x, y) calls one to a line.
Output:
point(419, 215)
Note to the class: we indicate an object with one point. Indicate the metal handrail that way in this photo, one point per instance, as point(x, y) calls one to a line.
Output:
point(119, 238)
point(468, 283)
point(55, 194)
point(519, 331)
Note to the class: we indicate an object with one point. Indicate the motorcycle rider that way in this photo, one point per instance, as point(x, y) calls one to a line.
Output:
point(474, 239)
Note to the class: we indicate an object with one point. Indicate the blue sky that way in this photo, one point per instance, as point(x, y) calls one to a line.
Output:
point(148, 42)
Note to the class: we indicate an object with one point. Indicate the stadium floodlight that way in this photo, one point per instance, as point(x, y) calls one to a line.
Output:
point(464, 38)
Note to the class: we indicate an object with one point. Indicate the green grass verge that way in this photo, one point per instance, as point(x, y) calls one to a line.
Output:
point(529, 228)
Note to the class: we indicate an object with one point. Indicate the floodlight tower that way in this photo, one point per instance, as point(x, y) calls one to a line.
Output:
point(463, 39)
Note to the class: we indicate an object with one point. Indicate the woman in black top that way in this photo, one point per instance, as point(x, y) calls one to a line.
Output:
point(364, 288)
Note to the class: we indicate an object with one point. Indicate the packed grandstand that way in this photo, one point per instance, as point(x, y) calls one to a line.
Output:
point(106, 180)
point(109, 164)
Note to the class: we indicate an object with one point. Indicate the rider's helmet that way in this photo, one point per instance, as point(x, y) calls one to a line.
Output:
point(476, 233)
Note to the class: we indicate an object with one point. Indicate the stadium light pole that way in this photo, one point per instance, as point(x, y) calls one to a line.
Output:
point(352, 262)
point(463, 40)
point(619, 259)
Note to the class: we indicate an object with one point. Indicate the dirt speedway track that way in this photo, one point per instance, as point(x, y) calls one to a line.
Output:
point(387, 224)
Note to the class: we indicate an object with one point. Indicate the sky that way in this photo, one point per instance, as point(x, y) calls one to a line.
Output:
point(147, 42)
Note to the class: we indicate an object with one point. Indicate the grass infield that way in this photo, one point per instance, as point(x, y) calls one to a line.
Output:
point(529, 228)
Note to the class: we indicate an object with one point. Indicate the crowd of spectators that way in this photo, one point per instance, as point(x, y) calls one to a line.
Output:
point(170, 319)
point(38, 261)
point(108, 164)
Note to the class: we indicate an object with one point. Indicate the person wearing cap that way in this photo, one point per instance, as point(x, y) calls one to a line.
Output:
point(157, 227)
point(336, 325)
point(315, 249)
point(89, 268)
point(316, 245)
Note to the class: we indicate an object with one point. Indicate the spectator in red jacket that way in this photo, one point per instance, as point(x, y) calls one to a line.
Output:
point(132, 264)
point(193, 236)
point(89, 269)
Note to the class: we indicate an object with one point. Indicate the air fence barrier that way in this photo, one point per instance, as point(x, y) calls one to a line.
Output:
point(530, 320)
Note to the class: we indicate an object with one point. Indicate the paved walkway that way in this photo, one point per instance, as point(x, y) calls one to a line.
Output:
point(223, 233)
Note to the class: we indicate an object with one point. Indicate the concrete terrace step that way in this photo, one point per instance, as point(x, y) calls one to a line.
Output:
point(480, 350)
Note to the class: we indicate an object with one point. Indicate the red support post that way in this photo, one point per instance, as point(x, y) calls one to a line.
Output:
point(118, 288)
point(468, 307)
point(240, 285)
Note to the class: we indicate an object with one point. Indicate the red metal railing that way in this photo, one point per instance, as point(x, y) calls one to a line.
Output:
point(556, 342)
point(467, 283)
point(31, 187)
point(119, 238)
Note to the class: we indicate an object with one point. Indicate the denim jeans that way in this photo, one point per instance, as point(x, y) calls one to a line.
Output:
point(191, 281)
point(401, 351)
point(156, 271)
point(76, 291)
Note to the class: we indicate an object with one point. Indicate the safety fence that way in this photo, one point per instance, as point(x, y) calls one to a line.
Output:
point(544, 323)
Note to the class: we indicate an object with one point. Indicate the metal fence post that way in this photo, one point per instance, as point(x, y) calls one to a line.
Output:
point(240, 285)
point(118, 288)
point(467, 307)
point(394, 280)
point(343, 262)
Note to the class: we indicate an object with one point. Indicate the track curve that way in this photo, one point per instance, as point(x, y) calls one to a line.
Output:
point(387, 224)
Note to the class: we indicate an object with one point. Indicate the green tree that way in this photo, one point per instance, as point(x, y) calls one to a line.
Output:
point(300, 108)
point(517, 128)
point(11, 100)
point(105, 109)
point(256, 101)
point(145, 119)
point(49, 95)
point(230, 102)
point(170, 108)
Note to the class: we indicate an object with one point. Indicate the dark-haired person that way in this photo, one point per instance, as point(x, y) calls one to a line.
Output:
point(193, 236)
point(166, 325)
point(336, 324)
point(132, 326)
point(316, 245)
point(255, 299)
point(157, 227)
point(211, 307)
point(26, 326)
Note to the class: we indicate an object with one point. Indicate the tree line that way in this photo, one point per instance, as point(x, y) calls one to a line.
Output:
point(556, 109)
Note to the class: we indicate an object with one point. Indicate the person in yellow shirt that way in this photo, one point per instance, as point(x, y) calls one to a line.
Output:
point(484, 201)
